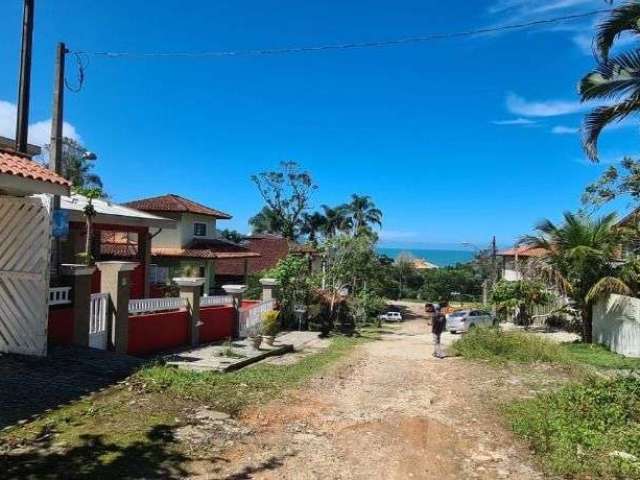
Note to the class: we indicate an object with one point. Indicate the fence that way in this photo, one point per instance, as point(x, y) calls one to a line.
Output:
point(216, 300)
point(59, 296)
point(148, 305)
point(98, 320)
point(616, 324)
point(251, 317)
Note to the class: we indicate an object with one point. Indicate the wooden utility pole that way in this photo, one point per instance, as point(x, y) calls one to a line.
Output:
point(55, 148)
point(24, 81)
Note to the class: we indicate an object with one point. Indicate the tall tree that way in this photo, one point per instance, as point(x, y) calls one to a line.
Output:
point(78, 165)
point(287, 193)
point(363, 213)
point(337, 220)
point(581, 259)
point(266, 221)
point(616, 79)
point(313, 225)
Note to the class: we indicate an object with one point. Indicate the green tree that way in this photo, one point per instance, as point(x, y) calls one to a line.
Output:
point(616, 79)
point(294, 284)
point(581, 261)
point(336, 221)
point(266, 221)
point(231, 235)
point(523, 295)
point(89, 212)
point(287, 193)
point(364, 214)
point(78, 165)
point(313, 225)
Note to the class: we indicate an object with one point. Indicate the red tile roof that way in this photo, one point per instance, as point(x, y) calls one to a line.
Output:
point(13, 163)
point(523, 251)
point(177, 204)
point(207, 249)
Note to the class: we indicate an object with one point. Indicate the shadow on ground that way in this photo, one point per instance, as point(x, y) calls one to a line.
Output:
point(31, 385)
point(154, 458)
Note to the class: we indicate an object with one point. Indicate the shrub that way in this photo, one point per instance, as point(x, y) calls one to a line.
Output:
point(591, 429)
point(494, 345)
point(270, 323)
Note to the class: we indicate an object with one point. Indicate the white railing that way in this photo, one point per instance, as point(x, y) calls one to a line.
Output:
point(251, 317)
point(216, 300)
point(145, 305)
point(98, 320)
point(60, 296)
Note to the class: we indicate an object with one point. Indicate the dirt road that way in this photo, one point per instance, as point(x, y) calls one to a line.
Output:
point(390, 411)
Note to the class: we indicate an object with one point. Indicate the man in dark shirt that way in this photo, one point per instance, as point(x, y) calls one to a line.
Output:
point(437, 327)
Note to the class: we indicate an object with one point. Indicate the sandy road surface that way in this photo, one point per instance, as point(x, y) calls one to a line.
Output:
point(390, 411)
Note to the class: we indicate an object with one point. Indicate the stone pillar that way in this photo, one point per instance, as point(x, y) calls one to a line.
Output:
point(79, 278)
point(115, 279)
point(191, 289)
point(236, 291)
point(268, 288)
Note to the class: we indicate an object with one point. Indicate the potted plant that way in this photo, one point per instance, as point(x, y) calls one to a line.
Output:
point(270, 326)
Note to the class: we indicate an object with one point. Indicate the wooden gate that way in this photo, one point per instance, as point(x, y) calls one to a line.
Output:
point(98, 320)
point(25, 245)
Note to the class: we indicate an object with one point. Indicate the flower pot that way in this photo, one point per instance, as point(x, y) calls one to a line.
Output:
point(268, 339)
point(256, 341)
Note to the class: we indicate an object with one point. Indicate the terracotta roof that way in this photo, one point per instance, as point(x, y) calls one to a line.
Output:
point(13, 163)
point(523, 251)
point(177, 204)
point(211, 249)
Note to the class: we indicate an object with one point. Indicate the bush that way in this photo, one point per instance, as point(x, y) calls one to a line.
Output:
point(590, 429)
point(270, 323)
point(494, 345)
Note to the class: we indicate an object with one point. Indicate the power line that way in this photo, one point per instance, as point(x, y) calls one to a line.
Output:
point(354, 45)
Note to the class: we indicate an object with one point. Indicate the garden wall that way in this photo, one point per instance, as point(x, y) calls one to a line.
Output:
point(616, 324)
point(158, 331)
point(217, 323)
point(60, 325)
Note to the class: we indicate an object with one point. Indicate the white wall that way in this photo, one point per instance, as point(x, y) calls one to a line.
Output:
point(511, 275)
point(183, 233)
point(616, 324)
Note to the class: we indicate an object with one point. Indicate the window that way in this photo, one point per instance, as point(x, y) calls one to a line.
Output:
point(199, 229)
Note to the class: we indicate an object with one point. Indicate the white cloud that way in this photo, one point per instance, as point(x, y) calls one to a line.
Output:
point(39, 132)
point(562, 130)
point(518, 105)
point(515, 121)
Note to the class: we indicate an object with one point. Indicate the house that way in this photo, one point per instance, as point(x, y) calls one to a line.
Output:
point(421, 264)
point(271, 248)
point(194, 247)
point(118, 233)
point(515, 259)
point(25, 240)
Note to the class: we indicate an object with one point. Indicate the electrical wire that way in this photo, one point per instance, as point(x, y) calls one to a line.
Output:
point(353, 45)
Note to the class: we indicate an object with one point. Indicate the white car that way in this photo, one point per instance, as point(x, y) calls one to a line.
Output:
point(463, 320)
point(391, 317)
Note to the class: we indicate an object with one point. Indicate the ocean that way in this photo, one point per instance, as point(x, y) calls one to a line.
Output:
point(442, 258)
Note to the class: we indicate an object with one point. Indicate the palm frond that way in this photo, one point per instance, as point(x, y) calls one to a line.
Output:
point(606, 286)
point(622, 19)
point(600, 117)
point(616, 78)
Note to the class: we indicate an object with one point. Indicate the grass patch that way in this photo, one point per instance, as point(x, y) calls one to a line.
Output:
point(599, 356)
point(496, 346)
point(128, 431)
point(590, 429)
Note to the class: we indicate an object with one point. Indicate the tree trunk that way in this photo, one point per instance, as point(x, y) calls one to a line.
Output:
point(587, 334)
point(87, 245)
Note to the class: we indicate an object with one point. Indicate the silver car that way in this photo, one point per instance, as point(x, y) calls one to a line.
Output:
point(463, 320)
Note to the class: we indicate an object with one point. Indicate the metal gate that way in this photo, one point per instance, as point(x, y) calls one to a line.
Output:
point(98, 320)
point(24, 259)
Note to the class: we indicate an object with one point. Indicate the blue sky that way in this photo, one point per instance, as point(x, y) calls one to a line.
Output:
point(456, 140)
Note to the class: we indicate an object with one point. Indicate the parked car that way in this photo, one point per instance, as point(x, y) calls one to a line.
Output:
point(391, 317)
point(463, 320)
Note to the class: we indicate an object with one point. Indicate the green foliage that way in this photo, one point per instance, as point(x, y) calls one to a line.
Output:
point(440, 283)
point(523, 294)
point(599, 356)
point(590, 430)
point(231, 235)
point(366, 306)
point(78, 165)
point(270, 323)
point(497, 346)
point(294, 285)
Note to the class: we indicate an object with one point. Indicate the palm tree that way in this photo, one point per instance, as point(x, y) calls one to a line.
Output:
point(615, 80)
point(266, 221)
point(312, 225)
point(336, 220)
point(581, 259)
point(364, 213)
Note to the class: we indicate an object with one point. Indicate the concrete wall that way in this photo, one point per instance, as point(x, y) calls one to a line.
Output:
point(616, 324)
point(183, 234)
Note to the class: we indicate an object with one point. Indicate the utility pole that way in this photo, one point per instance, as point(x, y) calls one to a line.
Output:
point(55, 148)
point(494, 259)
point(24, 81)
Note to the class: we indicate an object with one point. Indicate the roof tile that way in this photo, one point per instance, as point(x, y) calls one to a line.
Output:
point(177, 204)
point(22, 166)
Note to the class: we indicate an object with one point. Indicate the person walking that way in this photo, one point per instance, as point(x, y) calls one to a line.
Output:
point(437, 327)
